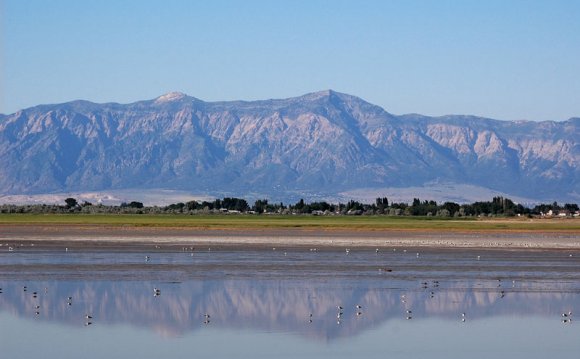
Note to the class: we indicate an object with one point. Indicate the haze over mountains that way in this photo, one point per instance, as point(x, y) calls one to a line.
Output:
point(320, 145)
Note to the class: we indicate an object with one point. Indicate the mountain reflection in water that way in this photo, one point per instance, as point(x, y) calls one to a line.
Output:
point(277, 290)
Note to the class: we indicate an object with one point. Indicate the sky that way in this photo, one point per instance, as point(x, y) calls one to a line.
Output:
point(509, 60)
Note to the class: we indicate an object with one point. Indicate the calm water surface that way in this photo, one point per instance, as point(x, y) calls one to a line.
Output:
point(285, 303)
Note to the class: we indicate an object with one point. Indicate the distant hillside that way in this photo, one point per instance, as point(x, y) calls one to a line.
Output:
point(323, 143)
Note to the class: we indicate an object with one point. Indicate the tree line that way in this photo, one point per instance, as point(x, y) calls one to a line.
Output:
point(498, 206)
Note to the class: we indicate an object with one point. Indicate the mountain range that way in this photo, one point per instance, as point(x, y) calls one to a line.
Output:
point(320, 145)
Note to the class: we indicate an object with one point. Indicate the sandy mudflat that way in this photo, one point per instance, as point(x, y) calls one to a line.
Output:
point(133, 237)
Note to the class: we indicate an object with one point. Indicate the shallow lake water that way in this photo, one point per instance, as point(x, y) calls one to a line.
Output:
point(221, 303)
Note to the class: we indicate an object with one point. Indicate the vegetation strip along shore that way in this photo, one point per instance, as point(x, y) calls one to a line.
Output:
point(326, 223)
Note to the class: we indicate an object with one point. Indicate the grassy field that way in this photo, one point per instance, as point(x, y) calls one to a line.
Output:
point(297, 222)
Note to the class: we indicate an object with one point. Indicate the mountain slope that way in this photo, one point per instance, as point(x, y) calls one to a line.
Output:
point(324, 142)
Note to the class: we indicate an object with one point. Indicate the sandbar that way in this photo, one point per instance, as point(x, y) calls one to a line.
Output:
point(47, 236)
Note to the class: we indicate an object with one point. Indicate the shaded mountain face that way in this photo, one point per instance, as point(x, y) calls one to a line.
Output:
point(324, 142)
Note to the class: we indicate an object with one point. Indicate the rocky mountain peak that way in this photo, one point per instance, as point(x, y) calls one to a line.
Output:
point(320, 94)
point(170, 97)
point(327, 95)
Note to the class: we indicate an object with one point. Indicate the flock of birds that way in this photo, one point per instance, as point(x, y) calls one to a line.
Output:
point(88, 317)
point(358, 308)
point(408, 313)
point(340, 313)
point(69, 302)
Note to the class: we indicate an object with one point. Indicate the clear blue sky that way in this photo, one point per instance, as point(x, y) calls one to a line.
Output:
point(501, 59)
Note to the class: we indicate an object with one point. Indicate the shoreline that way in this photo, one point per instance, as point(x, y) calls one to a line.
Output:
point(91, 236)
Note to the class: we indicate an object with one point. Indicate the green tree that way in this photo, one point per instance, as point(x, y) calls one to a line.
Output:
point(382, 203)
point(260, 205)
point(135, 204)
point(452, 207)
point(300, 205)
point(71, 202)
